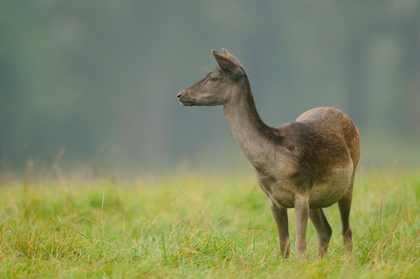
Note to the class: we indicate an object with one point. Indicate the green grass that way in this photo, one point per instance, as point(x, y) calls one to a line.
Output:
point(192, 225)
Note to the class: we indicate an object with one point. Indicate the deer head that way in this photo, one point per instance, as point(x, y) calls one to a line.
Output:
point(219, 86)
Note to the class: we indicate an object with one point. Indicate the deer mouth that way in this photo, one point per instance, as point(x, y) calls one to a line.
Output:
point(187, 103)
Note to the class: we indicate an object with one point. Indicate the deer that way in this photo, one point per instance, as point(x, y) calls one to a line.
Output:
point(308, 164)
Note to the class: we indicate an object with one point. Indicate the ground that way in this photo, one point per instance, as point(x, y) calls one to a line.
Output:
point(195, 225)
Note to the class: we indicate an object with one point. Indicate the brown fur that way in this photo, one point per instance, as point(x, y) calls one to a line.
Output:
point(308, 164)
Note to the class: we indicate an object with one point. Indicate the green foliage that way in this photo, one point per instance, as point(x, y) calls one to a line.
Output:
point(196, 226)
point(78, 75)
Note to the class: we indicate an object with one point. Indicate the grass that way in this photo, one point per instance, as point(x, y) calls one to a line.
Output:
point(192, 225)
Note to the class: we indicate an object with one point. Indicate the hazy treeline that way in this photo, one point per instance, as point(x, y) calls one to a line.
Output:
point(83, 76)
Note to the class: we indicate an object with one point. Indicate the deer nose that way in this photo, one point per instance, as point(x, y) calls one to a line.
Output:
point(180, 94)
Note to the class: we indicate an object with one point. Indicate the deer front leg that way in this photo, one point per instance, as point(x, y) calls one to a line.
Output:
point(302, 214)
point(280, 215)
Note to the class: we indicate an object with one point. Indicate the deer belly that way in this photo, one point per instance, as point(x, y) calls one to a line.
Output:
point(326, 193)
point(322, 193)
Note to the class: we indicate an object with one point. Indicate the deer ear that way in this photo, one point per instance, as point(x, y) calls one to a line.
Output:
point(225, 63)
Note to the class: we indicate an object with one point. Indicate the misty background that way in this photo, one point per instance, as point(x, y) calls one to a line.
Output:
point(82, 80)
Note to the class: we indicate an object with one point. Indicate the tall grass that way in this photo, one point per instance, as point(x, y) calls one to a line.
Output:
point(195, 226)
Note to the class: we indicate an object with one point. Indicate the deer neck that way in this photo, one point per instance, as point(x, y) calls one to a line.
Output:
point(253, 136)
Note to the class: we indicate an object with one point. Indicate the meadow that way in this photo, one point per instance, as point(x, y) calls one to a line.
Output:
point(195, 225)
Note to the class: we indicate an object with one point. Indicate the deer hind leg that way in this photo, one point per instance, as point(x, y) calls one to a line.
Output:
point(344, 206)
point(323, 230)
point(280, 215)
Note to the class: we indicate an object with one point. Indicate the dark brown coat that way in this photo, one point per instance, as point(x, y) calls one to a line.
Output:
point(308, 164)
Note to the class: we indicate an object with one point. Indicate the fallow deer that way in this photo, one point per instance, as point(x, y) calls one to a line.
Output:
point(308, 164)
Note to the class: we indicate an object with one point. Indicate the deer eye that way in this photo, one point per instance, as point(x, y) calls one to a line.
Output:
point(212, 79)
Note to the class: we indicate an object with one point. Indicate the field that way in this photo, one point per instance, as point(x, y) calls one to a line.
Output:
point(192, 225)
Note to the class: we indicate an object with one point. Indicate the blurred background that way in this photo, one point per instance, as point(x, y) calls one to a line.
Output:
point(82, 80)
